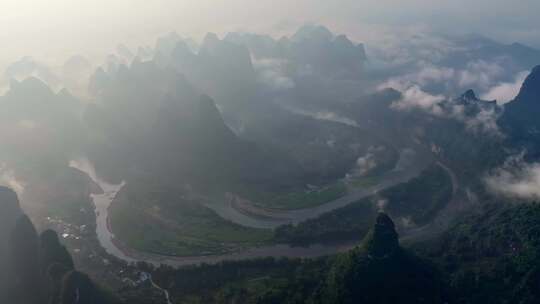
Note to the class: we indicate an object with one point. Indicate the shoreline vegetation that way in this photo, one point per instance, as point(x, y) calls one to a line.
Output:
point(283, 237)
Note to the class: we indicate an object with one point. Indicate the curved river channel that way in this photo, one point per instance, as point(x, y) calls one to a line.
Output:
point(412, 161)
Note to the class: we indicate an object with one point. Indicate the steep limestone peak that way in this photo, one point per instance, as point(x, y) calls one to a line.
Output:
point(382, 241)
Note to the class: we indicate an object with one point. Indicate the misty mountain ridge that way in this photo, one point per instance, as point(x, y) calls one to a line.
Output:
point(520, 115)
point(187, 127)
point(245, 146)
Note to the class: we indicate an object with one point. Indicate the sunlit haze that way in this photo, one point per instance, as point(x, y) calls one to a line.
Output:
point(269, 151)
point(46, 29)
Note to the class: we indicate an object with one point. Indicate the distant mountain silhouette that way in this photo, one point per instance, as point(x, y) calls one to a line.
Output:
point(9, 212)
point(29, 67)
point(153, 118)
point(311, 47)
point(38, 269)
point(38, 127)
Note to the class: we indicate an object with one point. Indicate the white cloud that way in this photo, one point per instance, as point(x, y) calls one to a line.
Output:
point(516, 178)
point(271, 72)
point(381, 204)
point(8, 179)
point(506, 91)
point(479, 74)
point(485, 121)
point(331, 116)
point(414, 97)
point(433, 74)
point(396, 46)
point(365, 163)
point(27, 124)
point(322, 115)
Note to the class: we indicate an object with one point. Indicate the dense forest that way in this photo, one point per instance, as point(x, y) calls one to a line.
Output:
point(490, 257)
point(487, 258)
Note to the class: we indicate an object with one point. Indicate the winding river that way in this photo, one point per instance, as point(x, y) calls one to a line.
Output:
point(412, 161)
point(102, 201)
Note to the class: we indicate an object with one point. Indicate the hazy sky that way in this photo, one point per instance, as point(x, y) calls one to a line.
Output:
point(55, 28)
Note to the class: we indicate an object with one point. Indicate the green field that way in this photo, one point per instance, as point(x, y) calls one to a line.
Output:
point(160, 221)
point(307, 199)
point(363, 182)
point(419, 199)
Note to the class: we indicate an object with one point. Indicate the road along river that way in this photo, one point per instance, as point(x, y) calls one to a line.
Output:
point(412, 162)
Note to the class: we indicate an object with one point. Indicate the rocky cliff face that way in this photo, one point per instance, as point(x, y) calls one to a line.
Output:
point(382, 241)
point(520, 118)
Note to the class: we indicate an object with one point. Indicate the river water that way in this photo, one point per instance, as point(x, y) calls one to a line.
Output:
point(102, 201)
point(411, 163)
